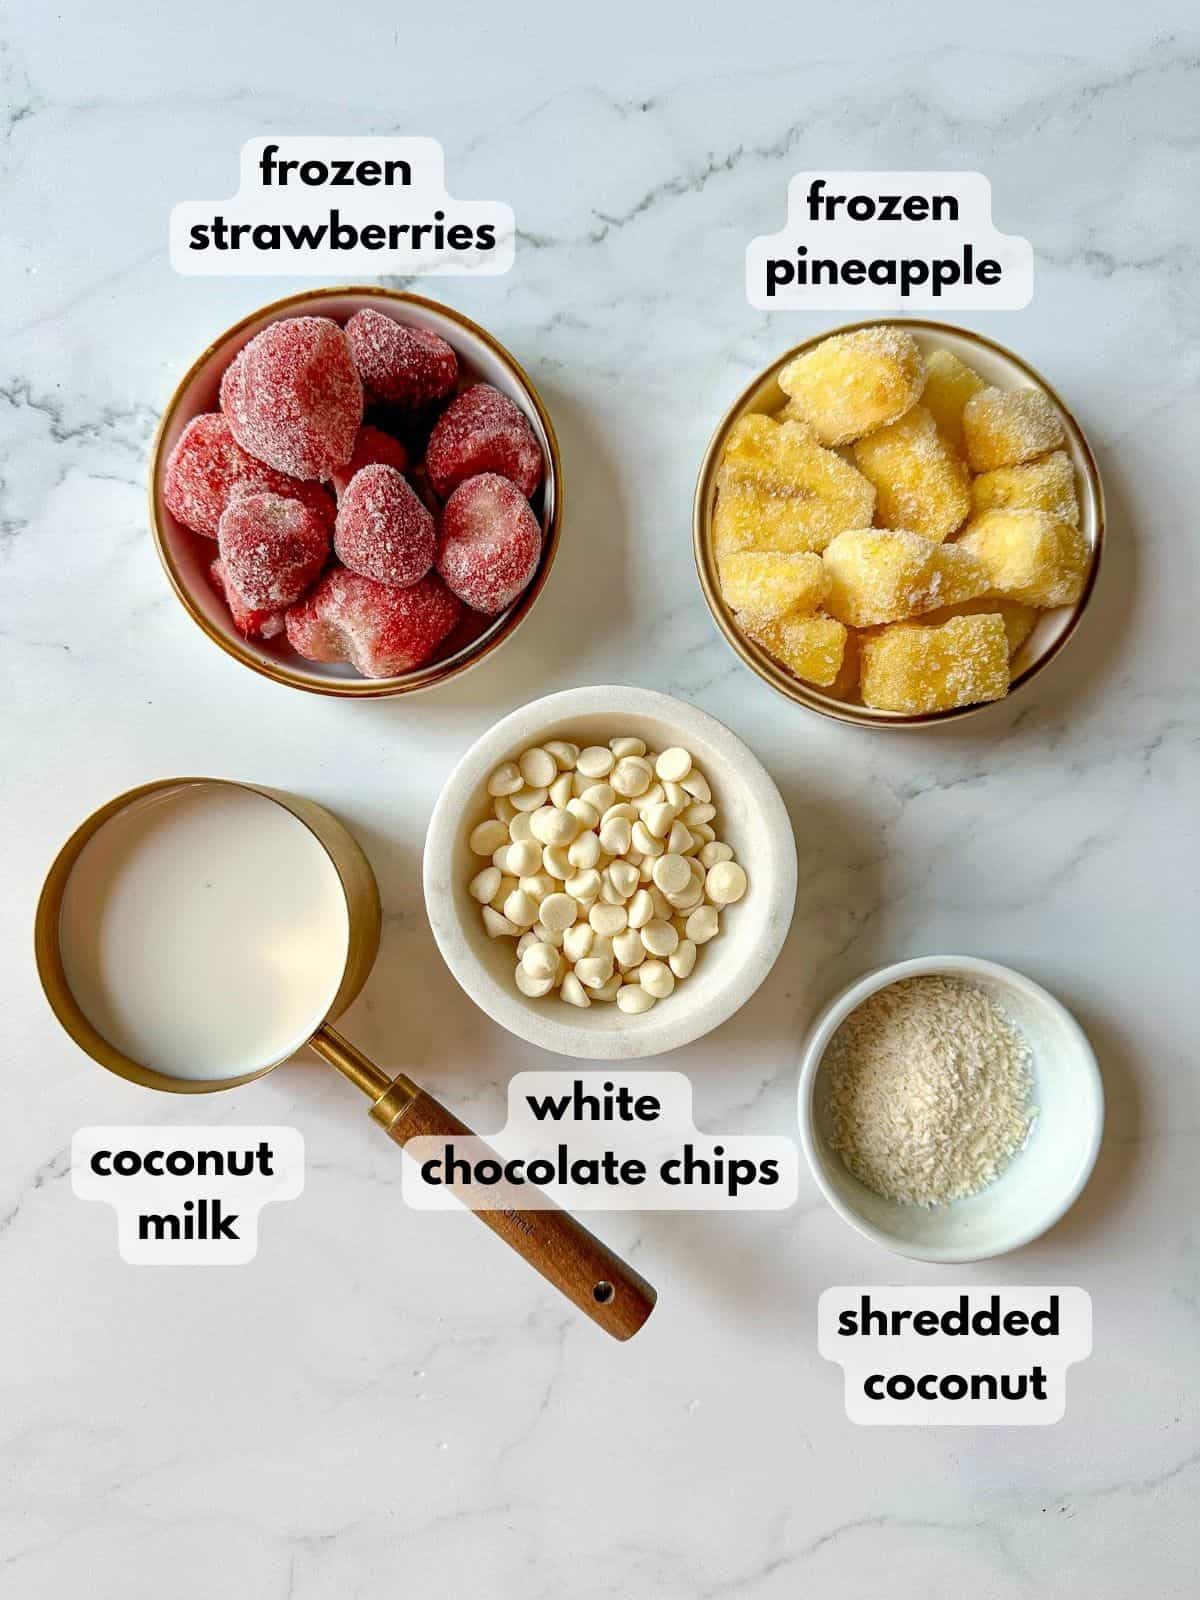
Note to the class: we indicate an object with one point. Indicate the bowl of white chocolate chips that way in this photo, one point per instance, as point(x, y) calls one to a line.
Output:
point(898, 523)
point(610, 873)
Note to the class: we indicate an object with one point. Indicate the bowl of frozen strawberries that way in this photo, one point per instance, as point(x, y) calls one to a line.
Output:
point(356, 492)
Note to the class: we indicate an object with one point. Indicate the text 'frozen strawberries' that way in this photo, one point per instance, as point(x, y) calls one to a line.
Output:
point(490, 543)
point(405, 366)
point(208, 467)
point(483, 431)
point(380, 631)
point(272, 549)
point(294, 398)
point(383, 530)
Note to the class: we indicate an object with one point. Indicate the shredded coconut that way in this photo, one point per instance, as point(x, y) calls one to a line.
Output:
point(930, 1089)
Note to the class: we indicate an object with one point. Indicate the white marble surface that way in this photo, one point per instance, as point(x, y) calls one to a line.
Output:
point(384, 1399)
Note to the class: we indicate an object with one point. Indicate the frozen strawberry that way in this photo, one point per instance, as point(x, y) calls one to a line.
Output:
point(272, 549)
point(483, 431)
point(208, 467)
point(293, 397)
point(371, 445)
point(381, 631)
point(404, 365)
point(490, 543)
point(383, 530)
point(249, 622)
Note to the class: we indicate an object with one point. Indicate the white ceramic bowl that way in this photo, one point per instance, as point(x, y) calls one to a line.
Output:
point(1043, 1180)
point(751, 816)
point(186, 556)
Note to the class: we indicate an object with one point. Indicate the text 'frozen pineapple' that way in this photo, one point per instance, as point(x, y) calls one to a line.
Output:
point(1044, 485)
point(761, 585)
point(852, 383)
point(879, 575)
point(1028, 556)
point(914, 668)
point(919, 482)
point(813, 647)
point(1003, 427)
point(949, 384)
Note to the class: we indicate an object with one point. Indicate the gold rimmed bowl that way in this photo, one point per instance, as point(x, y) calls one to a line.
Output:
point(996, 365)
point(187, 556)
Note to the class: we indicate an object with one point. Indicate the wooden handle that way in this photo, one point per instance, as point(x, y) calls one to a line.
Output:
point(577, 1263)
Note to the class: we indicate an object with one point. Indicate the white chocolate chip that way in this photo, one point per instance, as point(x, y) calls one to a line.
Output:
point(644, 841)
point(658, 819)
point(545, 935)
point(593, 971)
point(703, 924)
point(680, 840)
point(584, 851)
point(564, 753)
point(574, 993)
point(596, 761)
point(600, 795)
point(521, 909)
point(629, 949)
point(616, 835)
point(529, 799)
point(506, 779)
point(641, 909)
point(696, 785)
point(537, 885)
point(557, 861)
point(634, 1000)
point(561, 790)
point(609, 991)
point(503, 810)
point(558, 911)
point(538, 768)
point(539, 960)
point(519, 829)
point(682, 960)
point(523, 858)
point(656, 978)
point(631, 776)
point(498, 927)
point(659, 938)
point(586, 815)
point(672, 874)
point(484, 884)
point(713, 852)
point(725, 884)
point(488, 837)
point(551, 825)
point(578, 941)
point(535, 988)
point(607, 920)
point(674, 764)
point(623, 877)
point(585, 885)
point(627, 746)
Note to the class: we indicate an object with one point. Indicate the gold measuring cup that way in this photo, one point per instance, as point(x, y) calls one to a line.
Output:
point(578, 1264)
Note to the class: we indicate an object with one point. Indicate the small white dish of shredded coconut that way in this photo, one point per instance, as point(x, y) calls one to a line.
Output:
point(950, 1108)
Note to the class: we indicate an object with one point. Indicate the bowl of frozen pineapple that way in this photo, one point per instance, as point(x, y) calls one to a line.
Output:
point(898, 523)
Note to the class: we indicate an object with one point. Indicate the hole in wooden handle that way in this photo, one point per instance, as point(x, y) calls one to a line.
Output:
point(603, 1293)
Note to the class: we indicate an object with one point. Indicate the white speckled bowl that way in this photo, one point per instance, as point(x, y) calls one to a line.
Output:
point(752, 818)
point(1043, 1180)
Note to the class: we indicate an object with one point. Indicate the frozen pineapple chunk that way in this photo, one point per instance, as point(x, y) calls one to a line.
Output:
point(1019, 620)
point(1029, 556)
point(949, 384)
point(915, 668)
point(781, 458)
point(1003, 427)
point(1047, 484)
point(811, 646)
point(884, 574)
point(852, 383)
point(746, 518)
point(761, 585)
point(919, 482)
